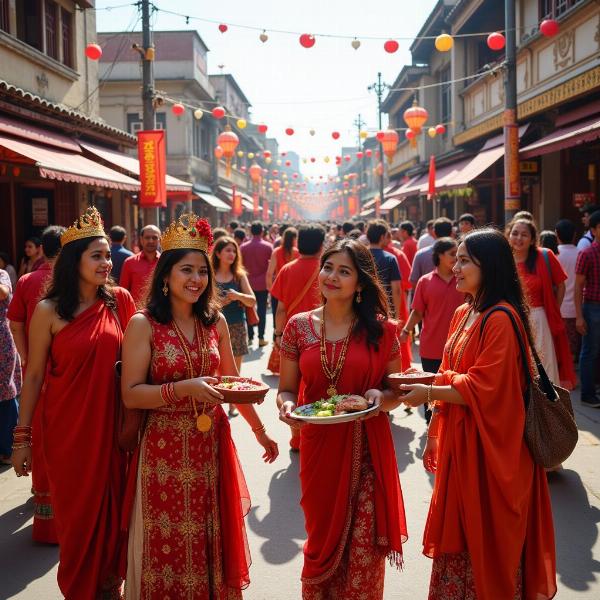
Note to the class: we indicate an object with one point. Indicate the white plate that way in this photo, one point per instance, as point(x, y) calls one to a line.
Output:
point(333, 420)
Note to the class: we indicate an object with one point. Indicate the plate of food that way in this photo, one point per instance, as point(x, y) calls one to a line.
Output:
point(409, 377)
point(337, 409)
point(241, 390)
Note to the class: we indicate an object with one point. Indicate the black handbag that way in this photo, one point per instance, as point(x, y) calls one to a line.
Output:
point(550, 428)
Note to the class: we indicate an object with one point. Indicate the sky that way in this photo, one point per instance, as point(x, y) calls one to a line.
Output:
point(322, 88)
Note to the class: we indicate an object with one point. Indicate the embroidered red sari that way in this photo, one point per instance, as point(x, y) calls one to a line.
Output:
point(186, 533)
point(351, 496)
point(490, 520)
point(85, 467)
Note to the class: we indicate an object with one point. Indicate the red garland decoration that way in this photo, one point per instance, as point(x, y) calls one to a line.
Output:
point(204, 230)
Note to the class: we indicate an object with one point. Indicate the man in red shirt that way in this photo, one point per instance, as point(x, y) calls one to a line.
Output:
point(409, 244)
point(28, 292)
point(137, 270)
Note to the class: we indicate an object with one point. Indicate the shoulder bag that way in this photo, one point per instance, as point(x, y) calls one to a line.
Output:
point(550, 427)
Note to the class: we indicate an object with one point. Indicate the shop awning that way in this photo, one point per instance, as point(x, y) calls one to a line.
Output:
point(368, 204)
point(565, 137)
point(54, 163)
point(130, 163)
point(412, 187)
point(466, 171)
point(367, 212)
point(214, 202)
point(247, 201)
point(390, 204)
point(390, 189)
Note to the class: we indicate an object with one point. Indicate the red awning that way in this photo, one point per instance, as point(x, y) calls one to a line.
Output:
point(467, 171)
point(390, 204)
point(130, 163)
point(565, 137)
point(54, 163)
point(32, 133)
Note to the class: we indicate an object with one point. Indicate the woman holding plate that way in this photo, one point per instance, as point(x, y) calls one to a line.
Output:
point(186, 530)
point(351, 496)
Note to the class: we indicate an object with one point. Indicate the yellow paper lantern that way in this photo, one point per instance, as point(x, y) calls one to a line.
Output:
point(250, 155)
point(198, 113)
point(240, 154)
point(326, 159)
point(241, 123)
point(444, 42)
point(268, 160)
point(431, 132)
point(364, 134)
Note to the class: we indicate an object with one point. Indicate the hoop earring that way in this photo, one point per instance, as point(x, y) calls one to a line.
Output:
point(358, 297)
point(165, 289)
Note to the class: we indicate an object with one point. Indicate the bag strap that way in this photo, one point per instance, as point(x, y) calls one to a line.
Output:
point(305, 289)
point(547, 261)
point(545, 383)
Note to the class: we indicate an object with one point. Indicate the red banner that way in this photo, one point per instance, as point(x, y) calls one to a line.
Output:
point(153, 168)
point(236, 204)
point(255, 206)
point(431, 182)
point(265, 212)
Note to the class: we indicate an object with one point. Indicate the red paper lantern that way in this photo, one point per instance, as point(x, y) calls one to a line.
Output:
point(379, 135)
point(223, 28)
point(93, 51)
point(178, 109)
point(440, 129)
point(389, 143)
point(391, 46)
point(218, 152)
point(307, 40)
point(359, 155)
point(335, 135)
point(368, 153)
point(347, 158)
point(410, 134)
point(276, 185)
point(288, 163)
point(267, 154)
point(289, 131)
point(218, 112)
point(312, 159)
point(549, 27)
point(262, 128)
point(496, 41)
point(255, 172)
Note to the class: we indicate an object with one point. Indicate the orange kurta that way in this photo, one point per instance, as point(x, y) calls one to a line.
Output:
point(489, 498)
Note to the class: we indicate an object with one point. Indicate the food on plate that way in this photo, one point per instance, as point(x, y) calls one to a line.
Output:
point(341, 404)
point(237, 386)
point(409, 377)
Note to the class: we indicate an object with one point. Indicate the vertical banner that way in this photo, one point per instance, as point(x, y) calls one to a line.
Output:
point(265, 212)
point(512, 175)
point(255, 206)
point(377, 206)
point(153, 168)
point(236, 203)
point(431, 182)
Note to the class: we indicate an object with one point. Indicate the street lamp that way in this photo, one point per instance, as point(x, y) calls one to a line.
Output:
point(379, 87)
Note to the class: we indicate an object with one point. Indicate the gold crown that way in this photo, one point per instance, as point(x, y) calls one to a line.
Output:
point(189, 231)
point(89, 224)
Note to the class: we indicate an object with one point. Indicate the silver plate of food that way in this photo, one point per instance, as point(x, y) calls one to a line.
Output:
point(337, 409)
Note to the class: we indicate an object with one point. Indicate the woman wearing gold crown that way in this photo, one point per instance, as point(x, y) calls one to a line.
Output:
point(76, 335)
point(186, 531)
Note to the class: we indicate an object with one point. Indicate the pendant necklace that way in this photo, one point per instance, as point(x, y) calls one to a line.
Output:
point(333, 373)
point(203, 421)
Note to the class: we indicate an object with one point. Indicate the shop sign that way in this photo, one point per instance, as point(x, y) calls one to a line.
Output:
point(583, 199)
point(529, 166)
point(39, 212)
point(153, 171)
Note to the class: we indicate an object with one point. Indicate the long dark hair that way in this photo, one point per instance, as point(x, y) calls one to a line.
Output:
point(500, 281)
point(237, 269)
point(159, 305)
point(533, 249)
point(64, 287)
point(290, 235)
point(373, 308)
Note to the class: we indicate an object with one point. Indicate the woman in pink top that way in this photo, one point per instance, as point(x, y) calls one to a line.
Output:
point(281, 256)
point(434, 304)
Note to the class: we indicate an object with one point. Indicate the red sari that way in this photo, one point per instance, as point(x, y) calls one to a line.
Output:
point(490, 520)
point(186, 536)
point(351, 496)
point(85, 466)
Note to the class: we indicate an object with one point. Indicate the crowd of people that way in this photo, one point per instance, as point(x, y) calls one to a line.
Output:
point(162, 500)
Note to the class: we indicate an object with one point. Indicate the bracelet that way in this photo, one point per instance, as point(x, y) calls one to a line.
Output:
point(21, 446)
point(259, 429)
point(278, 335)
point(429, 388)
point(167, 394)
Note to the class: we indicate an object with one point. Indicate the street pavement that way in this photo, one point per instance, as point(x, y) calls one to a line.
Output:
point(275, 524)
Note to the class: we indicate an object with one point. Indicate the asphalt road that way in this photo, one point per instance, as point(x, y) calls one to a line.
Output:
point(275, 523)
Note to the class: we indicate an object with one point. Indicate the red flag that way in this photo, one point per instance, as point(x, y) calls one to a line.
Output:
point(265, 210)
point(236, 203)
point(153, 168)
point(431, 188)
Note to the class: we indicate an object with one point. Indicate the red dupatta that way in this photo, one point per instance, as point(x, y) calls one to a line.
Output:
point(85, 466)
point(566, 370)
point(330, 462)
point(489, 497)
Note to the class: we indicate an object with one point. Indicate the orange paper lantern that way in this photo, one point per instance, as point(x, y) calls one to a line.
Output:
point(228, 141)
point(389, 143)
point(415, 117)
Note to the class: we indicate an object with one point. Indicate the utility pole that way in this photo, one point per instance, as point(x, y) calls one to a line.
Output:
point(512, 180)
point(151, 215)
point(359, 123)
point(379, 88)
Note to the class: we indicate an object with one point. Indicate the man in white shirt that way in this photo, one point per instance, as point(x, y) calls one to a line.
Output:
point(426, 238)
point(587, 239)
point(567, 256)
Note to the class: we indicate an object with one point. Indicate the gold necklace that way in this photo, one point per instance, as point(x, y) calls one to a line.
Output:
point(333, 373)
point(203, 421)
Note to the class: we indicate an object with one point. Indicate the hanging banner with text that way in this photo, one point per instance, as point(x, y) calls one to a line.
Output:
point(153, 168)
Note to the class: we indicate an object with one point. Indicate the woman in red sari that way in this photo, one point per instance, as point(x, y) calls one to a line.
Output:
point(186, 530)
point(489, 529)
point(543, 280)
point(351, 496)
point(77, 331)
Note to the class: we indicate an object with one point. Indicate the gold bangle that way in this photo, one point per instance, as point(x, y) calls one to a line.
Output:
point(429, 388)
point(260, 429)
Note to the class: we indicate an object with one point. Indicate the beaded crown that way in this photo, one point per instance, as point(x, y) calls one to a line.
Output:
point(189, 231)
point(89, 224)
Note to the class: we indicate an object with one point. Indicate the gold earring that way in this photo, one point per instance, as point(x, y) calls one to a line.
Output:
point(165, 289)
point(358, 297)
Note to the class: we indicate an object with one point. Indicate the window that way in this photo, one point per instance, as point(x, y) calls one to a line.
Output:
point(50, 25)
point(66, 32)
point(29, 23)
point(4, 23)
point(135, 122)
point(445, 96)
point(555, 8)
